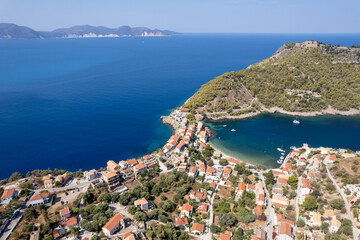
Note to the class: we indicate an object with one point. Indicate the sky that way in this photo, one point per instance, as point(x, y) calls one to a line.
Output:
point(190, 16)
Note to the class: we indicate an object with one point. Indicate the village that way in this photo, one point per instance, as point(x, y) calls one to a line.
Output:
point(189, 190)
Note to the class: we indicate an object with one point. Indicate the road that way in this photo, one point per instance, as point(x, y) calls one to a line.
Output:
point(347, 205)
point(52, 190)
point(269, 211)
point(13, 223)
point(297, 202)
point(208, 235)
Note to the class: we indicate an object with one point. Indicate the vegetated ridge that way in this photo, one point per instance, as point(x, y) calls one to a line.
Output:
point(308, 79)
point(11, 31)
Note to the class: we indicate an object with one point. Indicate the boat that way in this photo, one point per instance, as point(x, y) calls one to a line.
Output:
point(233, 130)
point(282, 158)
point(280, 150)
point(279, 161)
point(296, 121)
point(282, 153)
point(224, 125)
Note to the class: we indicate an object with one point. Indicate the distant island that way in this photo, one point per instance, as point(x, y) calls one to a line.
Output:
point(13, 31)
point(306, 79)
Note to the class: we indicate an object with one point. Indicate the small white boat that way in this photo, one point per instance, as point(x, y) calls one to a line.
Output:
point(282, 158)
point(282, 153)
point(224, 125)
point(296, 121)
point(280, 150)
point(279, 161)
point(233, 130)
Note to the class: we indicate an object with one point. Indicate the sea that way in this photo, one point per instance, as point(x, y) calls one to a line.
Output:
point(77, 103)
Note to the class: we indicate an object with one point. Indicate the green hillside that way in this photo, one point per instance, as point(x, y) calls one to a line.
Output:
point(301, 77)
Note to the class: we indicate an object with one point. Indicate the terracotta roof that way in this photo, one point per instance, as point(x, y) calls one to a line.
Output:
point(282, 180)
point(203, 145)
point(8, 193)
point(200, 195)
point(69, 222)
point(311, 174)
point(281, 218)
point(64, 211)
point(251, 186)
point(113, 222)
point(285, 228)
point(40, 196)
point(261, 197)
point(227, 171)
point(140, 166)
point(181, 221)
point(186, 207)
point(213, 184)
point(203, 207)
point(132, 161)
point(332, 158)
point(210, 169)
point(241, 186)
point(279, 205)
point(257, 238)
point(147, 157)
point(258, 210)
point(180, 145)
point(224, 236)
point(233, 160)
point(125, 235)
point(111, 163)
point(197, 227)
point(192, 170)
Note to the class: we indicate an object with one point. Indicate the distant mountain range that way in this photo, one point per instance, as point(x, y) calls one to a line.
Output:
point(13, 31)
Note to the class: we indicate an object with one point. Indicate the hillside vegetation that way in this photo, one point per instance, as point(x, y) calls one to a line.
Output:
point(301, 77)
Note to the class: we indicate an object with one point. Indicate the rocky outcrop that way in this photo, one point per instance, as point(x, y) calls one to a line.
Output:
point(167, 120)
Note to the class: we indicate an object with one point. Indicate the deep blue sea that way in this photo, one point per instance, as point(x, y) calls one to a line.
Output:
point(76, 103)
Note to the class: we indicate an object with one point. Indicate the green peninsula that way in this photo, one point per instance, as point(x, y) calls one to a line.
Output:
point(309, 78)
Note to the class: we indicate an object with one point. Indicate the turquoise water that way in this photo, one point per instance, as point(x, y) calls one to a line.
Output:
point(256, 139)
point(76, 103)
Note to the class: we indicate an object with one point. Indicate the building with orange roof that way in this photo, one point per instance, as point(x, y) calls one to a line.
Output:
point(140, 167)
point(258, 210)
point(132, 162)
point(69, 222)
point(213, 185)
point(285, 231)
point(197, 228)
point(210, 171)
point(147, 157)
point(280, 218)
point(202, 167)
point(40, 199)
point(280, 199)
point(250, 187)
point(227, 172)
point(90, 175)
point(8, 194)
point(225, 236)
point(186, 210)
point(113, 225)
point(241, 187)
point(260, 199)
point(233, 161)
point(181, 221)
point(129, 236)
point(180, 146)
point(198, 196)
point(203, 207)
point(65, 213)
point(257, 238)
point(57, 233)
point(193, 172)
point(112, 166)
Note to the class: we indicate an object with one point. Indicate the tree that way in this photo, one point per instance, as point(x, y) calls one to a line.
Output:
point(310, 203)
point(214, 228)
point(88, 197)
point(125, 198)
point(210, 163)
point(346, 227)
point(25, 185)
point(246, 216)
point(163, 197)
point(337, 204)
point(15, 176)
point(90, 208)
point(223, 162)
point(227, 219)
point(115, 197)
point(292, 181)
point(269, 178)
point(154, 214)
point(240, 168)
point(57, 183)
point(95, 237)
point(133, 209)
point(300, 223)
point(29, 213)
point(156, 190)
point(140, 216)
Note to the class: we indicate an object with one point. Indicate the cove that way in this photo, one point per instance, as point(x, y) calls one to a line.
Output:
point(256, 139)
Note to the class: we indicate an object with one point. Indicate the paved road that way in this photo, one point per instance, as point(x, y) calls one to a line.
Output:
point(269, 211)
point(52, 190)
point(347, 205)
point(297, 202)
point(14, 222)
point(208, 235)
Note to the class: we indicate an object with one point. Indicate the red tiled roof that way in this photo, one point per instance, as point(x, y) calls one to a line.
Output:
point(285, 228)
point(197, 227)
point(132, 161)
point(224, 236)
point(113, 222)
point(125, 235)
point(140, 166)
point(8, 193)
point(40, 196)
point(181, 221)
point(258, 210)
point(147, 157)
point(64, 211)
point(241, 186)
point(69, 222)
point(203, 207)
point(227, 171)
point(186, 207)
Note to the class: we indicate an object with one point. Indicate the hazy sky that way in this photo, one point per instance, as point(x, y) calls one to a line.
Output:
point(243, 16)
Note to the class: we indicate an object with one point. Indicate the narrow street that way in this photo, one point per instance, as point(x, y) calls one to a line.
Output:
point(297, 202)
point(347, 205)
point(269, 211)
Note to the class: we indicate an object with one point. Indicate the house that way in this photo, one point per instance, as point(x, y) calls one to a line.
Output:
point(40, 199)
point(203, 136)
point(131, 162)
point(69, 222)
point(210, 171)
point(129, 236)
point(112, 166)
point(62, 179)
point(57, 233)
point(203, 207)
point(225, 236)
point(202, 146)
point(285, 231)
point(143, 204)
point(280, 201)
point(329, 213)
point(186, 210)
point(227, 172)
point(48, 183)
point(315, 219)
point(65, 213)
point(259, 233)
point(260, 199)
point(282, 179)
point(90, 175)
point(241, 187)
point(180, 146)
point(113, 225)
point(202, 168)
point(197, 228)
point(258, 210)
point(334, 226)
point(123, 164)
point(8, 194)
point(193, 172)
point(305, 188)
point(112, 179)
point(181, 221)
point(140, 167)
point(250, 187)
point(198, 196)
